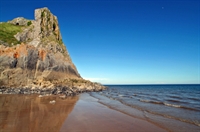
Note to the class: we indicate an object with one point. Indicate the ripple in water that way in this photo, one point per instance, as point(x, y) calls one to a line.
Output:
point(174, 101)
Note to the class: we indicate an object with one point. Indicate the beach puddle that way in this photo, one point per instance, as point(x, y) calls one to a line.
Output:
point(23, 113)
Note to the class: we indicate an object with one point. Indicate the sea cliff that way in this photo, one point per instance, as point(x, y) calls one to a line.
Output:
point(34, 59)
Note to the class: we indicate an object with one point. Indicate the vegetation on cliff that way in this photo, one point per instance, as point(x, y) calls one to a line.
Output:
point(7, 32)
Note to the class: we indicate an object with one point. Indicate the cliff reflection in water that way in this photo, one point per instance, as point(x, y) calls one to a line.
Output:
point(29, 113)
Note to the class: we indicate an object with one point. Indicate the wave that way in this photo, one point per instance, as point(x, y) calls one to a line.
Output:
point(125, 96)
point(120, 95)
point(194, 122)
point(176, 101)
point(179, 106)
point(150, 101)
point(172, 105)
point(193, 99)
point(176, 97)
point(168, 104)
point(171, 100)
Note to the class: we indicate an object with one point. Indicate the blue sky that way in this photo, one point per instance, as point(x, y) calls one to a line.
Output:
point(125, 42)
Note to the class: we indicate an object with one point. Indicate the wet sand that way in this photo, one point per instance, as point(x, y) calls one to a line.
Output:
point(29, 113)
point(90, 116)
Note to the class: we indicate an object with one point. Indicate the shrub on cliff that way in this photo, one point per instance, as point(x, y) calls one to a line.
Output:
point(29, 23)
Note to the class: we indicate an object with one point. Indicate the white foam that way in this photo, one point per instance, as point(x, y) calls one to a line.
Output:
point(172, 105)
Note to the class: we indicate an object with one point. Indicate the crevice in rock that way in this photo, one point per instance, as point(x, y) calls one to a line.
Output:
point(14, 63)
point(54, 26)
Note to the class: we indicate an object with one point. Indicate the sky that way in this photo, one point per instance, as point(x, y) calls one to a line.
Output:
point(125, 42)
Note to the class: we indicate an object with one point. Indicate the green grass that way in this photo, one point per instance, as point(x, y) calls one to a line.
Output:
point(7, 32)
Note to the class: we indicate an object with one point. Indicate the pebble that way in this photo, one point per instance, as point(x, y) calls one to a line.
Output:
point(63, 97)
point(52, 102)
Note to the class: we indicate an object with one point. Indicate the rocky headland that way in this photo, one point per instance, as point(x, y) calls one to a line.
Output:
point(33, 58)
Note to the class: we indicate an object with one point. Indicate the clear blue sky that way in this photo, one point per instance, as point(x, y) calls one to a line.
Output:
point(125, 42)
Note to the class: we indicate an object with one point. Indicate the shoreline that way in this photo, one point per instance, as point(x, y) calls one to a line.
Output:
point(95, 116)
point(165, 122)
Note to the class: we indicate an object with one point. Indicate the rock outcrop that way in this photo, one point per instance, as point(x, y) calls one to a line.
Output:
point(38, 59)
point(20, 21)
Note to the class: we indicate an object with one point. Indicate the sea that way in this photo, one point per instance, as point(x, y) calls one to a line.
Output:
point(174, 107)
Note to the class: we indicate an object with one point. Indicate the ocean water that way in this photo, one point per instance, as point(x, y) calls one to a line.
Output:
point(177, 102)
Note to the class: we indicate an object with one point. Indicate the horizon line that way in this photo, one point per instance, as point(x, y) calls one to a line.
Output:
point(158, 84)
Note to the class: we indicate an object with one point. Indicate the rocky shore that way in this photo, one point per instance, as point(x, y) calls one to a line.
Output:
point(45, 92)
point(69, 87)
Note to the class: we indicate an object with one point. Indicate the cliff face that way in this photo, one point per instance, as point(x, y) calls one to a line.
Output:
point(36, 53)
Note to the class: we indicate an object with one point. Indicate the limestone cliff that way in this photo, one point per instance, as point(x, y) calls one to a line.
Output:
point(32, 54)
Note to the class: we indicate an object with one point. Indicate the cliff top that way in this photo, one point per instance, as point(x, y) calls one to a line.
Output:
point(43, 30)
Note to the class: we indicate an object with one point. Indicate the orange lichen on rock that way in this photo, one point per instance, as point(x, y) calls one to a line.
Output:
point(22, 49)
point(16, 55)
point(19, 50)
point(42, 54)
point(7, 51)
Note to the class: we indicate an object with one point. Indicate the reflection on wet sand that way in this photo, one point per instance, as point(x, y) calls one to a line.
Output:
point(29, 113)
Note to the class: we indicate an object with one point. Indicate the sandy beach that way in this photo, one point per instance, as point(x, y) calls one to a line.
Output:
point(30, 113)
point(90, 116)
